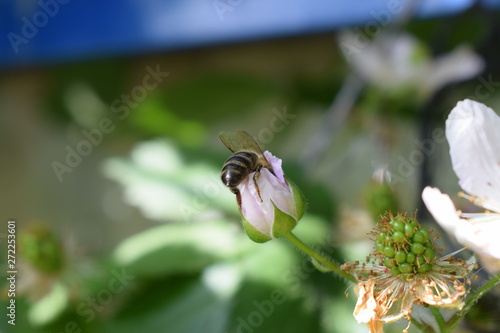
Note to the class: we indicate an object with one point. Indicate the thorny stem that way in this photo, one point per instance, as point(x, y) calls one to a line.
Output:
point(473, 298)
point(318, 257)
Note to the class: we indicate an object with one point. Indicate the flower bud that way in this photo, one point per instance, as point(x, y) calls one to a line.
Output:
point(271, 205)
point(42, 248)
point(379, 196)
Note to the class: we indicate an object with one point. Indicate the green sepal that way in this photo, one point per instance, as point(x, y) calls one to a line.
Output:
point(253, 233)
point(298, 198)
point(283, 223)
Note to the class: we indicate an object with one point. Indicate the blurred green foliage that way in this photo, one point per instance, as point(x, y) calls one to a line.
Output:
point(42, 249)
point(179, 260)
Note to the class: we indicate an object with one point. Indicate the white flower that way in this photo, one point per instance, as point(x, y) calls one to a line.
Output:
point(394, 61)
point(473, 133)
point(275, 208)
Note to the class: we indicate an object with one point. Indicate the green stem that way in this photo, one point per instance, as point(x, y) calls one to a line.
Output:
point(473, 298)
point(443, 328)
point(318, 257)
point(422, 327)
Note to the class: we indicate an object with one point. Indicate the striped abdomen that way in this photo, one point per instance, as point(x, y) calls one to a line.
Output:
point(237, 167)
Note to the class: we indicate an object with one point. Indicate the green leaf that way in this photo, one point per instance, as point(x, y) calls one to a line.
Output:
point(174, 248)
point(158, 181)
point(268, 263)
point(275, 294)
point(175, 305)
point(268, 281)
point(50, 306)
point(260, 308)
point(283, 223)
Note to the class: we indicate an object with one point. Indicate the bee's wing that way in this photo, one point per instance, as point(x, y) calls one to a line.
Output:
point(239, 141)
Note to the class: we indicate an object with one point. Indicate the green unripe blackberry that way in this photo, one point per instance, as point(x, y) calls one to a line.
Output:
point(409, 230)
point(418, 237)
point(404, 246)
point(400, 256)
point(398, 236)
point(410, 258)
point(429, 254)
point(379, 246)
point(425, 233)
point(421, 260)
point(424, 268)
point(405, 268)
point(395, 271)
point(398, 226)
point(389, 263)
point(417, 248)
point(389, 251)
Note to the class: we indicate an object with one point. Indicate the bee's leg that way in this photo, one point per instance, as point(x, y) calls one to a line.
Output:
point(255, 177)
point(271, 170)
point(238, 195)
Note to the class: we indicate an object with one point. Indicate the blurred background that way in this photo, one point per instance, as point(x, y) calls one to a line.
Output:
point(110, 156)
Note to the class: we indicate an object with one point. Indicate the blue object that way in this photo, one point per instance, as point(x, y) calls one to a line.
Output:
point(52, 31)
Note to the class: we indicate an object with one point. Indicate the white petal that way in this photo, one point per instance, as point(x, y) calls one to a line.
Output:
point(273, 191)
point(473, 132)
point(491, 264)
point(252, 210)
point(385, 61)
point(275, 165)
point(442, 208)
point(460, 64)
point(482, 237)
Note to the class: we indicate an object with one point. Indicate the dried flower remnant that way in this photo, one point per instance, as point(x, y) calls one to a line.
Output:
point(404, 269)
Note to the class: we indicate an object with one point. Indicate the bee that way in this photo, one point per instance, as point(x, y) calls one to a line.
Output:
point(247, 158)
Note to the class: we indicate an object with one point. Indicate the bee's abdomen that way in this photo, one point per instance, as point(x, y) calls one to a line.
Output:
point(237, 167)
